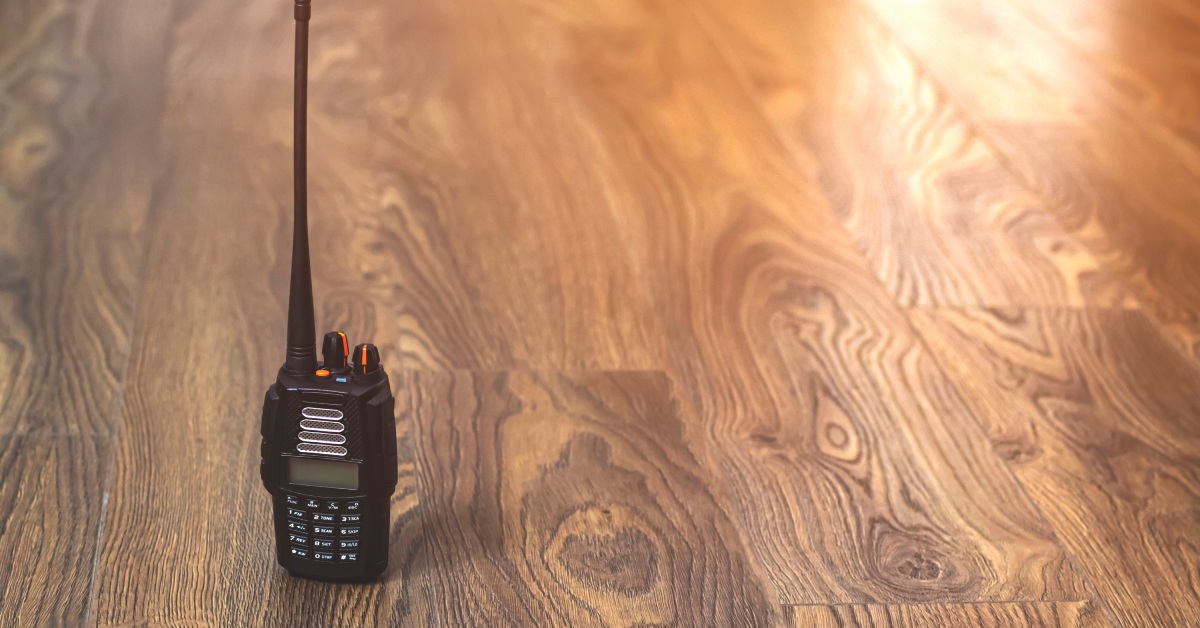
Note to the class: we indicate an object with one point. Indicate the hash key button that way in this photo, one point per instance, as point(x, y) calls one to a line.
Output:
point(344, 556)
point(351, 518)
point(322, 517)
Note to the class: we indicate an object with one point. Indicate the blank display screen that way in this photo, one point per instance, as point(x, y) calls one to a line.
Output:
point(324, 473)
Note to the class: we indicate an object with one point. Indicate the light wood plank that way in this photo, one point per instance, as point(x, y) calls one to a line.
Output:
point(933, 208)
point(1148, 50)
point(572, 500)
point(1097, 416)
point(1121, 183)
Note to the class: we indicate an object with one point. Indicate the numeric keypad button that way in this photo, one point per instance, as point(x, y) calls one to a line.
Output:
point(296, 526)
point(320, 543)
point(323, 555)
point(322, 517)
point(351, 518)
point(351, 531)
point(348, 544)
point(323, 530)
point(298, 539)
point(295, 513)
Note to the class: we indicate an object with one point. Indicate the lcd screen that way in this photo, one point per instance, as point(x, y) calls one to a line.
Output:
point(324, 473)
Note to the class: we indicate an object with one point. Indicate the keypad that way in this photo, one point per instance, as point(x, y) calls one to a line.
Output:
point(335, 526)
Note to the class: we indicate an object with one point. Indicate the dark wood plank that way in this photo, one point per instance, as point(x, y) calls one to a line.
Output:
point(188, 537)
point(51, 509)
point(855, 473)
point(572, 500)
point(1121, 183)
point(1148, 50)
point(934, 209)
point(81, 90)
point(1097, 416)
point(994, 615)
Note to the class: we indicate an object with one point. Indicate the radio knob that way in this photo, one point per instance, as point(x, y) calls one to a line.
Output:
point(335, 350)
point(366, 359)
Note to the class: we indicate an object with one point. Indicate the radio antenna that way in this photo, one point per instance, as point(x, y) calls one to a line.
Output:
point(301, 328)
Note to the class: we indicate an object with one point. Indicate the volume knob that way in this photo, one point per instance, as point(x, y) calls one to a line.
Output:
point(336, 351)
point(366, 359)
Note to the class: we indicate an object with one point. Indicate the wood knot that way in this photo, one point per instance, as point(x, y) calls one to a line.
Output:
point(922, 567)
point(623, 561)
point(919, 566)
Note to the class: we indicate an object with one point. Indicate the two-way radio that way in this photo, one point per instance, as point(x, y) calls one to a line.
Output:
point(328, 431)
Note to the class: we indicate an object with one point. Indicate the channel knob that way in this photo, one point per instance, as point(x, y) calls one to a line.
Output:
point(366, 359)
point(336, 351)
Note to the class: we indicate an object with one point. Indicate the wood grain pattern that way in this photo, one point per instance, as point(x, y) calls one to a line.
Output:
point(1147, 50)
point(1096, 414)
point(998, 615)
point(572, 500)
point(1117, 180)
point(831, 427)
point(932, 207)
point(78, 163)
point(51, 508)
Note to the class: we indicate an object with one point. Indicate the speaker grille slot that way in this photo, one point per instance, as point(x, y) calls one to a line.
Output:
point(322, 437)
point(324, 450)
point(321, 413)
point(321, 426)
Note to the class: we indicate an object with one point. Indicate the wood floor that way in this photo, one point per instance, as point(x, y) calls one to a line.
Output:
point(699, 313)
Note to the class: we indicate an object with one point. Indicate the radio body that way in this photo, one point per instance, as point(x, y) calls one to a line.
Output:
point(329, 462)
point(328, 453)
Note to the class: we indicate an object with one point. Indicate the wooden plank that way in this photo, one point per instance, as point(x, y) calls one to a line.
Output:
point(188, 536)
point(994, 615)
point(489, 199)
point(854, 471)
point(934, 209)
point(1097, 416)
point(51, 509)
point(1120, 182)
point(1146, 49)
point(81, 88)
point(572, 500)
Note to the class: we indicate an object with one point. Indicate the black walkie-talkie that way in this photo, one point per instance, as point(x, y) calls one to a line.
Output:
point(328, 431)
